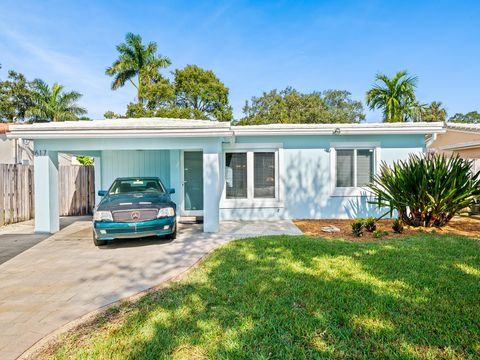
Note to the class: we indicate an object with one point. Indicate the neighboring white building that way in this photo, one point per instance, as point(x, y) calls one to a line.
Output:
point(15, 151)
point(19, 151)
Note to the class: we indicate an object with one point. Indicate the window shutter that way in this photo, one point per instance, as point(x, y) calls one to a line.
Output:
point(345, 168)
point(364, 167)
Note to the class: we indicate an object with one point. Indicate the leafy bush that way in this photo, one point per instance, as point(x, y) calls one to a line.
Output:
point(357, 227)
point(85, 160)
point(369, 224)
point(379, 233)
point(426, 190)
point(397, 226)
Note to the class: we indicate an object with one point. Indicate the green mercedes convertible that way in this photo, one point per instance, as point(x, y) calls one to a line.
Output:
point(133, 208)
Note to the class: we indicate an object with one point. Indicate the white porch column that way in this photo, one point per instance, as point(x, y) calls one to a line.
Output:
point(46, 192)
point(211, 187)
point(175, 181)
point(97, 166)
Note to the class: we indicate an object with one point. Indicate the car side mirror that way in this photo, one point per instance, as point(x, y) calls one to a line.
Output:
point(102, 192)
point(171, 191)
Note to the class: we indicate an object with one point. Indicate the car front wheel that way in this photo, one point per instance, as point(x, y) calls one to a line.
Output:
point(173, 235)
point(98, 242)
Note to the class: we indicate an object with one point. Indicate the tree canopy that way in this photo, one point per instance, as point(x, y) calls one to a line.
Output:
point(395, 96)
point(472, 117)
point(433, 112)
point(16, 97)
point(133, 59)
point(24, 100)
point(54, 104)
point(292, 106)
point(193, 93)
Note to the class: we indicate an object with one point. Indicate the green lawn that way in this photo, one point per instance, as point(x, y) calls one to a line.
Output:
point(304, 297)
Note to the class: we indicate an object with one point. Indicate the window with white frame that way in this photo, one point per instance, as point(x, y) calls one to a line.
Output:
point(236, 175)
point(354, 167)
point(251, 175)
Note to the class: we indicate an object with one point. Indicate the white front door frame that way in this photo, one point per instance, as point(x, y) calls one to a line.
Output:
point(183, 211)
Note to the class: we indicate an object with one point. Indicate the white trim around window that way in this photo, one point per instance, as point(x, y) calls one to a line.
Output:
point(352, 190)
point(250, 201)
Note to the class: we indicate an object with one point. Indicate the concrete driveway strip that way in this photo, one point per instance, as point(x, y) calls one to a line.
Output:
point(66, 276)
point(16, 238)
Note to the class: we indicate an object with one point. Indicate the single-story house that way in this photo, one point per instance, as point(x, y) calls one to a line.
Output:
point(221, 171)
point(459, 139)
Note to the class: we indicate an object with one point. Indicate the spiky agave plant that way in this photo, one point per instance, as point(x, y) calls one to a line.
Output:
point(426, 190)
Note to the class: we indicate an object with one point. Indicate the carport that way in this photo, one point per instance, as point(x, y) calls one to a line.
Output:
point(185, 154)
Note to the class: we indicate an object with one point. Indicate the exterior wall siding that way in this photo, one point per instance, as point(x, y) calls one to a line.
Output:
point(306, 179)
point(121, 163)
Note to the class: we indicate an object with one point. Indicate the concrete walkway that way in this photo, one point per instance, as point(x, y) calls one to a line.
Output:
point(66, 276)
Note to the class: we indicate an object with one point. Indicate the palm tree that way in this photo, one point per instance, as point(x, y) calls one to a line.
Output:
point(54, 104)
point(434, 112)
point(133, 58)
point(395, 96)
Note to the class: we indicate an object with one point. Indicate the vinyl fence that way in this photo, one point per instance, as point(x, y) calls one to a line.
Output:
point(76, 192)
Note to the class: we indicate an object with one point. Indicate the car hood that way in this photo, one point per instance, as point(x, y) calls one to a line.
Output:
point(135, 201)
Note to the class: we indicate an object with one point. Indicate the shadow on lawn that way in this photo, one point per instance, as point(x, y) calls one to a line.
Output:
point(291, 297)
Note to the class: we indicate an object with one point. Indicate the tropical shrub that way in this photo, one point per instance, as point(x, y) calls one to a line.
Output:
point(397, 226)
point(357, 227)
point(426, 190)
point(369, 224)
point(379, 233)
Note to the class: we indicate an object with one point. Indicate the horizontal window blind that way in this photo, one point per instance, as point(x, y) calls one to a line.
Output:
point(364, 166)
point(236, 175)
point(264, 175)
point(345, 168)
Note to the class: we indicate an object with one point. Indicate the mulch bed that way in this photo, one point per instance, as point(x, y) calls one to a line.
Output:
point(464, 226)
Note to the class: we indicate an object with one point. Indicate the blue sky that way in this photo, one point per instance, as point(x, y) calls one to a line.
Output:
point(253, 46)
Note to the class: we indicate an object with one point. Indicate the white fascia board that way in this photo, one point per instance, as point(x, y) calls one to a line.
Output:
point(461, 146)
point(104, 133)
point(340, 129)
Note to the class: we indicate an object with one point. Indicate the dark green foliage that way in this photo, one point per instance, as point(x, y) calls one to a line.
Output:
point(369, 224)
point(292, 106)
point(472, 117)
point(397, 226)
point(426, 190)
point(54, 104)
point(135, 58)
point(433, 112)
point(200, 90)
point(16, 97)
point(395, 96)
point(357, 227)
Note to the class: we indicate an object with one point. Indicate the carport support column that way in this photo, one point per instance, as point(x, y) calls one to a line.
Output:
point(97, 167)
point(46, 192)
point(211, 188)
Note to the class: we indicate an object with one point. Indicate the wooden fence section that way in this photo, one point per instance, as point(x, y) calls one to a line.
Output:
point(76, 191)
point(16, 193)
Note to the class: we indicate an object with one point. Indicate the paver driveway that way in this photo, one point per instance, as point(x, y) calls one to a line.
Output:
point(66, 276)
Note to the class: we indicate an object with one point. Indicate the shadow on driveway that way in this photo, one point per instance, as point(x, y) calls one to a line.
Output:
point(16, 238)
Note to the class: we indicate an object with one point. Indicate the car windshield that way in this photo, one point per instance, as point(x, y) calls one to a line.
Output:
point(124, 186)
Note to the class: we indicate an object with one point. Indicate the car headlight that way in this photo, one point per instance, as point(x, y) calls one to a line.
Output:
point(168, 211)
point(102, 216)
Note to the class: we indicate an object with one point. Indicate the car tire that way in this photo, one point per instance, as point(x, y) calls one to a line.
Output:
point(173, 235)
point(98, 242)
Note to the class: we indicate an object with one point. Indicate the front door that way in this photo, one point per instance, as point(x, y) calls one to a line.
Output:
point(193, 183)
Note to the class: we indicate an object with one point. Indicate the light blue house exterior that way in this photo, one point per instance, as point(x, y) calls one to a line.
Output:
point(225, 172)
